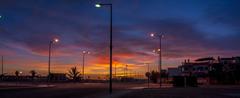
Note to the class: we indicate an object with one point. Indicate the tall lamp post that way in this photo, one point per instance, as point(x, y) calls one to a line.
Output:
point(55, 40)
point(2, 65)
point(126, 68)
point(84, 53)
point(115, 70)
point(2, 56)
point(110, 44)
point(160, 36)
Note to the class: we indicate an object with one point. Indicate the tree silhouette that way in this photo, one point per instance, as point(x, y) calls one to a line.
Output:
point(33, 73)
point(17, 73)
point(154, 75)
point(148, 74)
point(74, 74)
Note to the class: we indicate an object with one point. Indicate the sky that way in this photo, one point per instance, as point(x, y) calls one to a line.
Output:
point(191, 28)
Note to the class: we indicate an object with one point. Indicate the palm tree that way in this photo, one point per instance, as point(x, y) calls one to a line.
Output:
point(74, 74)
point(17, 73)
point(33, 73)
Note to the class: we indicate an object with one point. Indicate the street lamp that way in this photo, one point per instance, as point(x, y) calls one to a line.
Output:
point(98, 5)
point(55, 40)
point(126, 74)
point(115, 71)
point(84, 53)
point(2, 65)
point(110, 44)
point(156, 51)
point(20, 73)
point(160, 36)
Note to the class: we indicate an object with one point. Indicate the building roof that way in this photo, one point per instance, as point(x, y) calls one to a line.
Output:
point(238, 57)
point(195, 63)
point(227, 58)
point(205, 59)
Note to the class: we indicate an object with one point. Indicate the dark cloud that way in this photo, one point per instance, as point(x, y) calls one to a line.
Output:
point(80, 26)
point(225, 12)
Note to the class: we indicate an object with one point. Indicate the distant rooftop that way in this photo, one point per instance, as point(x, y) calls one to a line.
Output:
point(205, 59)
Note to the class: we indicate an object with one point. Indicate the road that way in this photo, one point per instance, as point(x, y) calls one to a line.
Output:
point(68, 90)
point(120, 90)
point(219, 91)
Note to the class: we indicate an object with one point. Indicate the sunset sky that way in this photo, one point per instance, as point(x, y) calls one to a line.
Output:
point(192, 29)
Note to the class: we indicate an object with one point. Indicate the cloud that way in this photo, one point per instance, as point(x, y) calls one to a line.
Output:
point(225, 12)
point(30, 27)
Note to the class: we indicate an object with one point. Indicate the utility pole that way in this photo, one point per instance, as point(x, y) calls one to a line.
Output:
point(115, 70)
point(126, 70)
point(83, 62)
point(149, 75)
point(2, 65)
point(160, 60)
point(111, 46)
point(160, 36)
point(55, 40)
point(110, 43)
point(49, 59)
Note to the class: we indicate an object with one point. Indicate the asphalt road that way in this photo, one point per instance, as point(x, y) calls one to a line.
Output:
point(190, 92)
point(68, 90)
point(120, 90)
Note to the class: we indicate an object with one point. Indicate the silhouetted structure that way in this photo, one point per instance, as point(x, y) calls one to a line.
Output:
point(211, 70)
point(173, 72)
point(33, 73)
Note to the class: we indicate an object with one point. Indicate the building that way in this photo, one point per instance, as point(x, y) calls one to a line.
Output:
point(211, 70)
point(173, 72)
point(199, 68)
